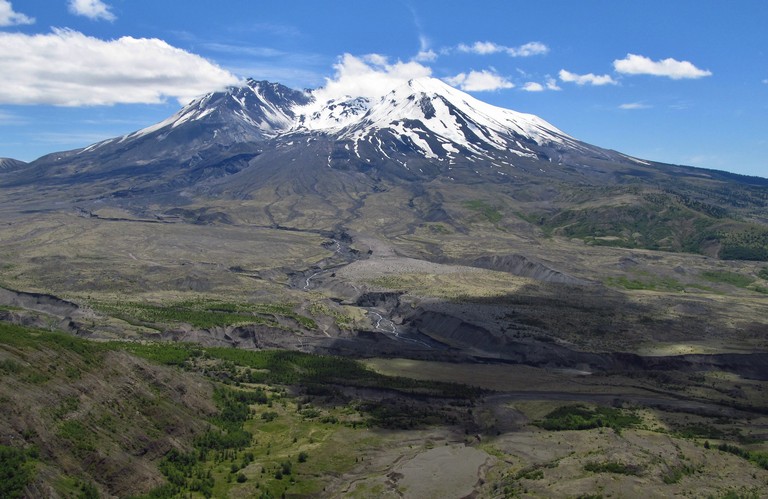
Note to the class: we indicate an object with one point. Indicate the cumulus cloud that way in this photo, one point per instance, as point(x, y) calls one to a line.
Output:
point(428, 55)
point(587, 79)
point(479, 81)
point(68, 68)
point(8, 17)
point(634, 105)
point(533, 86)
point(485, 48)
point(635, 64)
point(92, 9)
point(371, 76)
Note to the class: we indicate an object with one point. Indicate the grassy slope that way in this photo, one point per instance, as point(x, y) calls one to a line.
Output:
point(96, 416)
point(93, 415)
point(117, 418)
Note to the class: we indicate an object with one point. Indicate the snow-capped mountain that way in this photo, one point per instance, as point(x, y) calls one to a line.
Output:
point(455, 118)
point(421, 120)
point(418, 113)
point(234, 141)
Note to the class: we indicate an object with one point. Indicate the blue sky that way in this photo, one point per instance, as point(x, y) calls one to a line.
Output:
point(682, 82)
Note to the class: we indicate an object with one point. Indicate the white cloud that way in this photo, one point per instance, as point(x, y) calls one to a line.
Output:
point(376, 60)
point(533, 86)
point(68, 68)
point(587, 79)
point(479, 81)
point(552, 84)
point(371, 76)
point(92, 9)
point(8, 17)
point(425, 56)
point(634, 105)
point(482, 48)
point(485, 48)
point(527, 50)
point(639, 65)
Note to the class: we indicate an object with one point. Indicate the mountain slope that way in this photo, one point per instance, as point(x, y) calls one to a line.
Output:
point(299, 160)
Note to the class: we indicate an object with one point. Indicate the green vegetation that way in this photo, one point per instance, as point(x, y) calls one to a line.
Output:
point(652, 223)
point(290, 367)
point(616, 467)
point(700, 431)
point(652, 283)
point(727, 277)
point(580, 417)
point(438, 229)
point(490, 213)
point(749, 244)
point(17, 469)
point(185, 473)
point(78, 437)
point(22, 337)
point(763, 273)
point(670, 221)
point(206, 314)
point(676, 473)
point(343, 321)
point(758, 458)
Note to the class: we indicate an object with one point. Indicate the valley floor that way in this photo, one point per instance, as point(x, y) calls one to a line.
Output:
point(558, 372)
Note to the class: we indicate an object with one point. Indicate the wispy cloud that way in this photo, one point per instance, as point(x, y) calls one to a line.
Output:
point(238, 49)
point(68, 68)
point(74, 138)
point(9, 17)
point(635, 64)
point(281, 30)
point(586, 79)
point(7, 118)
point(486, 48)
point(634, 105)
point(92, 9)
point(425, 54)
point(479, 81)
point(552, 84)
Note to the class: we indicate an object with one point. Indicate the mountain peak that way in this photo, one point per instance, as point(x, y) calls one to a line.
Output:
point(422, 128)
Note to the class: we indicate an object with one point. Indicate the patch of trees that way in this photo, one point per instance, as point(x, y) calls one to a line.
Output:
point(749, 244)
point(759, 458)
point(17, 468)
point(580, 417)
